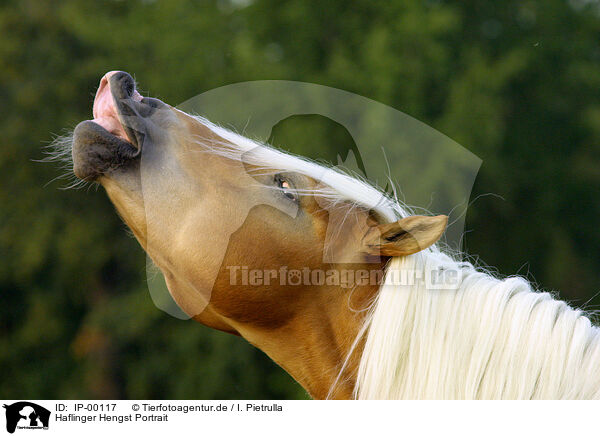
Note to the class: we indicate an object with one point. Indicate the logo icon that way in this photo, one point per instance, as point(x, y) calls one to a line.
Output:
point(26, 415)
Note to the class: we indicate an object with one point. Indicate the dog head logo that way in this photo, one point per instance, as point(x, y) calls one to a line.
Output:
point(26, 415)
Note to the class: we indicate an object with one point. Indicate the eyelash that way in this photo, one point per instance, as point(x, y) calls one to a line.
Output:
point(280, 182)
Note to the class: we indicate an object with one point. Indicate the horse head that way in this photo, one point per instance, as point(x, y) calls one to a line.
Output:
point(243, 233)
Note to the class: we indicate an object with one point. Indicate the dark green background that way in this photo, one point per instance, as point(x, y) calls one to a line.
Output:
point(515, 82)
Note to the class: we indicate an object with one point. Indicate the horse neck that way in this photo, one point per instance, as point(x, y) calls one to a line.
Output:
point(318, 346)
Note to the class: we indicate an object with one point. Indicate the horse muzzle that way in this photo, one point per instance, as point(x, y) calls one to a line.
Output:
point(115, 138)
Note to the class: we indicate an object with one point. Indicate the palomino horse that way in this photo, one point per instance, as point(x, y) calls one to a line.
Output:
point(224, 218)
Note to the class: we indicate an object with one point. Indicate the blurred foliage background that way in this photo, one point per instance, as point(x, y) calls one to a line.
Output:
point(515, 82)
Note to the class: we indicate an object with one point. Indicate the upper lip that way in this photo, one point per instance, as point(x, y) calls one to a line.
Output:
point(120, 109)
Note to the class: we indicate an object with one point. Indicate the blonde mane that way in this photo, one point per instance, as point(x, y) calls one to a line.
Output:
point(487, 339)
point(484, 338)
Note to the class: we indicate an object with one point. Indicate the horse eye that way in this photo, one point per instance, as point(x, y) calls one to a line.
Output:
point(286, 188)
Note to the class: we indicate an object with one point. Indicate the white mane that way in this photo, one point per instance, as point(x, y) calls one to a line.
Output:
point(488, 339)
point(343, 186)
point(483, 339)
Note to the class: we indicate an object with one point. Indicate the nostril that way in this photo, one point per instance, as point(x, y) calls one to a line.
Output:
point(123, 84)
point(128, 87)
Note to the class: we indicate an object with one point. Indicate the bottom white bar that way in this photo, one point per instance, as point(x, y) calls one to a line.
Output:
point(300, 417)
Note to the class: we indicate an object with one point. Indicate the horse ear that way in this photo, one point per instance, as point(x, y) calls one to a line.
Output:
point(407, 236)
